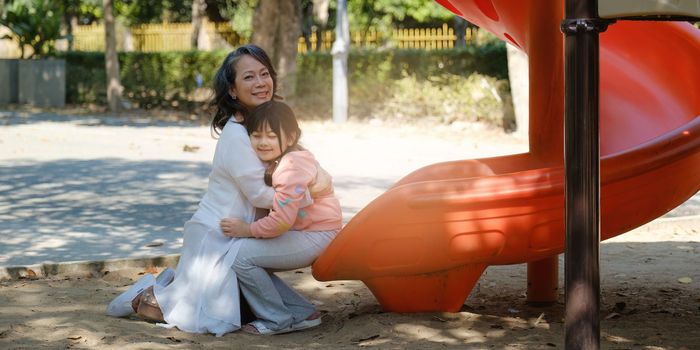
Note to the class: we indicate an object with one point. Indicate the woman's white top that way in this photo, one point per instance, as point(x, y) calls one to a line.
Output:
point(204, 296)
point(236, 183)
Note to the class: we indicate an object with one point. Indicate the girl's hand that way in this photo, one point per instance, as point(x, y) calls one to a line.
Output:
point(322, 183)
point(235, 228)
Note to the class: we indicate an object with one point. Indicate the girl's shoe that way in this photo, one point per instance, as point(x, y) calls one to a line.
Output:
point(121, 306)
point(258, 328)
point(310, 322)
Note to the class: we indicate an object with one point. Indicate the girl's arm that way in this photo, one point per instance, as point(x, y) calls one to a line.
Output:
point(291, 180)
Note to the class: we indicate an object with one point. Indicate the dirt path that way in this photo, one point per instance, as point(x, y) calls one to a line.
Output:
point(650, 278)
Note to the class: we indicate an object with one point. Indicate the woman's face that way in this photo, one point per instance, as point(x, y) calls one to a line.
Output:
point(253, 83)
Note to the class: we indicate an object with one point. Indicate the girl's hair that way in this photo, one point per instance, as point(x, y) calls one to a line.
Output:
point(281, 119)
point(225, 78)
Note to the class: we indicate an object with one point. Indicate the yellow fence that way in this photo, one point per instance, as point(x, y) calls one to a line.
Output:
point(154, 37)
point(176, 37)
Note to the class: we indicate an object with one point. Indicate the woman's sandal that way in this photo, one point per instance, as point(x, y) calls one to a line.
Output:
point(147, 306)
point(127, 303)
point(119, 307)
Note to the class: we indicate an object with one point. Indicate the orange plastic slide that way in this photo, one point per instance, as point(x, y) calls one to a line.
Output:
point(422, 245)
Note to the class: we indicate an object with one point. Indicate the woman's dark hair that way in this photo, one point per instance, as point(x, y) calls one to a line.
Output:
point(225, 77)
point(281, 119)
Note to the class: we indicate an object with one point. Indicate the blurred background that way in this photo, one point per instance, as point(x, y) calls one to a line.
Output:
point(408, 59)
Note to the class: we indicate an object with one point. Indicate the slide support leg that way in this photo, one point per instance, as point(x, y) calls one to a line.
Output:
point(543, 281)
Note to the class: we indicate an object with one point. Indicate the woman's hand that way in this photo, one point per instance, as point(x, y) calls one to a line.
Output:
point(235, 228)
point(322, 183)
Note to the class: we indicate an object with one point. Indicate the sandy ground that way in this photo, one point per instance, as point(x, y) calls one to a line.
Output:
point(649, 277)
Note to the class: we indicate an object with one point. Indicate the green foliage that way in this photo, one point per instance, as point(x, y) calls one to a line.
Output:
point(411, 83)
point(467, 84)
point(36, 23)
point(85, 77)
point(140, 12)
point(87, 11)
point(150, 80)
point(240, 15)
point(382, 14)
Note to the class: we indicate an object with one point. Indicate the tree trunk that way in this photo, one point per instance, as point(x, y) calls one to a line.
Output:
point(114, 88)
point(198, 10)
point(289, 31)
point(265, 26)
point(307, 24)
point(460, 27)
point(277, 28)
point(70, 21)
point(321, 15)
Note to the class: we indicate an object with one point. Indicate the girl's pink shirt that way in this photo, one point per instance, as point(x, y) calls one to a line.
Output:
point(291, 180)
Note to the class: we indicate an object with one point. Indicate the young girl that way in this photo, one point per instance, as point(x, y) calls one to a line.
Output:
point(293, 236)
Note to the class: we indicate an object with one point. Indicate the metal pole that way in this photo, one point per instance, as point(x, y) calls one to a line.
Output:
point(340, 49)
point(582, 162)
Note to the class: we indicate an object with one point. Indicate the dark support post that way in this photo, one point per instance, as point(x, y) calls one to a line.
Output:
point(582, 163)
point(543, 281)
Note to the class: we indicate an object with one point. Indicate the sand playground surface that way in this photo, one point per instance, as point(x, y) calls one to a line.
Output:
point(650, 280)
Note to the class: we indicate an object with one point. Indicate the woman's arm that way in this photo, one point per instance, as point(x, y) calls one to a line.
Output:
point(244, 166)
point(322, 183)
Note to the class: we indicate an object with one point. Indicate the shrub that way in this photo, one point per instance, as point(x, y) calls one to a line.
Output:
point(417, 79)
point(464, 84)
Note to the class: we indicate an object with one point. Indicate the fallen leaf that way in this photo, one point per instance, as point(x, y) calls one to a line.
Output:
point(31, 273)
point(375, 336)
point(74, 337)
point(685, 280)
point(539, 319)
point(173, 339)
point(154, 244)
point(612, 315)
point(188, 148)
point(439, 319)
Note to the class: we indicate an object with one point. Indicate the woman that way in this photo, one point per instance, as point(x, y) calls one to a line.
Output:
point(203, 296)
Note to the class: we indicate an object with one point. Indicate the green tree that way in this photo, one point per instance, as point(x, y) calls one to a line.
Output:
point(76, 12)
point(36, 23)
point(383, 14)
point(140, 12)
point(240, 14)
